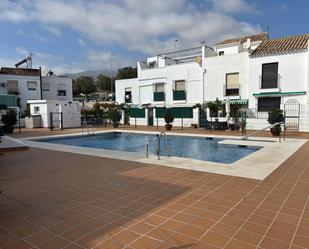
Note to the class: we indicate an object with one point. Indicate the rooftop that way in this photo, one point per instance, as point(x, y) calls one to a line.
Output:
point(20, 71)
point(256, 37)
point(282, 45)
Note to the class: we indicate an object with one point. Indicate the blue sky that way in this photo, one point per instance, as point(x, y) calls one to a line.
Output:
point(72, 36)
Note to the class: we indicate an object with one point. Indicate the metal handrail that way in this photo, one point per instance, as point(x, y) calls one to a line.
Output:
point(87, 126)
point(265, 128)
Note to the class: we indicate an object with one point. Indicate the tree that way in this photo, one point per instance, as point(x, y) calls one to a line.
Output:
point(126, 73)
point(83, 84)
point(169, 119)
point(103, 83)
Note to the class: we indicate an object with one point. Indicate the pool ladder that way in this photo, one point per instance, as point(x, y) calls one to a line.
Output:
point(162, 133)
point(87, 127)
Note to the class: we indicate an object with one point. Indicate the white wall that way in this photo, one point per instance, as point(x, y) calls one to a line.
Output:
point(292, 68)
point(54, 82)
point(24, 93)
point(215, 76)
point(120, 86)
point(71, 112)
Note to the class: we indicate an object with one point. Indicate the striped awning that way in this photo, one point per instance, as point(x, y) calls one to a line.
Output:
point(277, 94)
point(237, 101)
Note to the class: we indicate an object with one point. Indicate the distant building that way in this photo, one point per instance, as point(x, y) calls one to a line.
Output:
point(18, 85)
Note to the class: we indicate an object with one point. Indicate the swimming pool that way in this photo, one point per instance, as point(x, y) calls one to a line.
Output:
point(200, 148)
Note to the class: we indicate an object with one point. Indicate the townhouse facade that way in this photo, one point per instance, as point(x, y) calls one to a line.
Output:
point(18, 85)
point(253, 71)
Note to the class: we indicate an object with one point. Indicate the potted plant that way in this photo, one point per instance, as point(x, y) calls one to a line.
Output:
point(275, 116)
point(9, 120)
point(169, 119)
point(115, 116)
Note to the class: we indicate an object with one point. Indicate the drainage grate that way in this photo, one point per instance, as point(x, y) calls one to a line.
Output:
point(117, 183)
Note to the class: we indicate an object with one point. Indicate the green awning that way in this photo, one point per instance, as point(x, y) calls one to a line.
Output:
point(277, 94)
point(8, 100)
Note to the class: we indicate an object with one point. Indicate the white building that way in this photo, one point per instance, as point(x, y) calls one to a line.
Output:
point(257, 72)
point(28, 84)
point(64, 114)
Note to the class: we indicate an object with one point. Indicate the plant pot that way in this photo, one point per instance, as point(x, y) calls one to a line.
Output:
point(275, 131)
point(168, 127)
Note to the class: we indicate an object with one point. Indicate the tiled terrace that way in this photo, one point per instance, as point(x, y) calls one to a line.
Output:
point(54, 199)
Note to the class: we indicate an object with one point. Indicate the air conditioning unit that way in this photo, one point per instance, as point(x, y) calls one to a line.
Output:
point(3, 84)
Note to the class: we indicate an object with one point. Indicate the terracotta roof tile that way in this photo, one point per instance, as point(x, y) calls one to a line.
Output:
point(257, 37)
point(282, 45)
point(20, 71)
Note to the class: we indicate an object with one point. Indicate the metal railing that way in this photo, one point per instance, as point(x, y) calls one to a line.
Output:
point(87, 127)
point(254, 113)
point(231, 91)
point(158, 150)
point(265, 128)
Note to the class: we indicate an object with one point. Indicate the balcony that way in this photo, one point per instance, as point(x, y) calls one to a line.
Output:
point(179, 95)
point(227, 92)
point(13, 91)
point(158, 96)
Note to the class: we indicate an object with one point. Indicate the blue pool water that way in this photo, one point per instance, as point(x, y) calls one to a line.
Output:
point(200, 148)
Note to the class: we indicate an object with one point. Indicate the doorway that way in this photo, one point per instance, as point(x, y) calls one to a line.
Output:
point(150, 116)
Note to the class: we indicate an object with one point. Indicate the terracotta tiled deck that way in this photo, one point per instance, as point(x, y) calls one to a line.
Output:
point(53, 199)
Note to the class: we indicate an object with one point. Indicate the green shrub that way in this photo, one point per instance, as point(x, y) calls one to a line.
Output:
point(9, 120)
point(169, 119)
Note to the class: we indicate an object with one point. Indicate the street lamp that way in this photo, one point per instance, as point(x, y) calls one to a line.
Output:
point(112, 54)
point(175, 44)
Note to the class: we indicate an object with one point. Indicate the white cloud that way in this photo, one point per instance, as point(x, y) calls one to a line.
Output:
point(53, 30)
point(102, 59)
point(149, 27)
point(232, 6)
point(33, 35)
point(81, 42)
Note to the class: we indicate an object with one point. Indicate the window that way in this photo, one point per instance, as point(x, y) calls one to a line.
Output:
point(61, 90)
point(269, 75)
point(128, 95)
point(158, 94)
point(45, 86)
point(152, 64)
point(221, 53)
point(12, 85)
point(268, 103)
point(36, 109)
point(159, 87)
point(62, 93)
point(31, 85)
point(179, 85)
point(232, 84)
point(179, 92)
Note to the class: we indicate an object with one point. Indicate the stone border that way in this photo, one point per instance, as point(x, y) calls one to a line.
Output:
point(257, 165)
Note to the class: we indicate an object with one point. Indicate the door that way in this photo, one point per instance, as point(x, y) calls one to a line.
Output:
point(150, 116)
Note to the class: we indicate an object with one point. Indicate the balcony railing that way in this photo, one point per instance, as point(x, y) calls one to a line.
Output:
point(179, 95)
point(158, 96)
point(13, 91)
point(231, 91)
